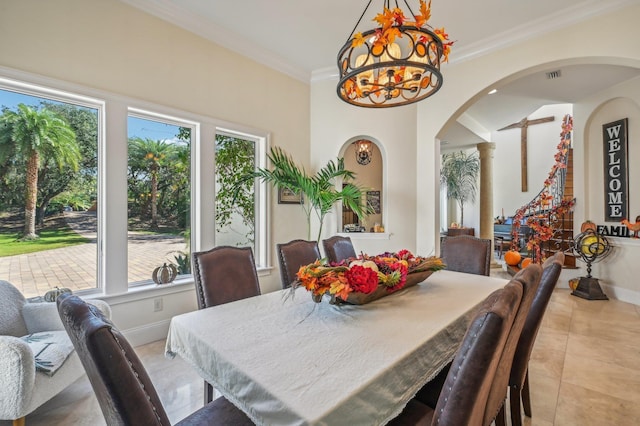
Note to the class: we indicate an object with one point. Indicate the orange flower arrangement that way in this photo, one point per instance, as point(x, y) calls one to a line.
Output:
point(363, 274)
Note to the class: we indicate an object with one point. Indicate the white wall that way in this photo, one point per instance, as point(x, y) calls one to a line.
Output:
point(618, 273)
point(106, 45)
point(543, 140)
point(465, 81)
point(334, 122)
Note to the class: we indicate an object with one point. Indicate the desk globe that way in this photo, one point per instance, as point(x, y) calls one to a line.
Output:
point(591, 247)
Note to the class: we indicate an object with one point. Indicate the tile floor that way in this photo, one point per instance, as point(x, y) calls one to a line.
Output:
point(583, 371)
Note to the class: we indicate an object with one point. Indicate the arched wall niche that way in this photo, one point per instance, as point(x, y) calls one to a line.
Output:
point(371, 176)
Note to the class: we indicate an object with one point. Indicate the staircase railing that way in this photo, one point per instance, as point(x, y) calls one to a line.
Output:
point(545, 213)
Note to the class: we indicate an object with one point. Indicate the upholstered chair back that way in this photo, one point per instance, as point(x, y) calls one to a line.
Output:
point(466, 389)
point(529, 277)
point(224, 274)
point(519, 370)
point(467, 384)
point(293, 255)
point(338, 248)
point(123, 387)
point(465, 253)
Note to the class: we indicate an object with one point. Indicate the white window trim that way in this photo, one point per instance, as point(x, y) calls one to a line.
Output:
point(112, 281)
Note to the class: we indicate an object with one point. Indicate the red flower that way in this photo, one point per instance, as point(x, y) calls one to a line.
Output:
point(364, 280)
point(404, 254)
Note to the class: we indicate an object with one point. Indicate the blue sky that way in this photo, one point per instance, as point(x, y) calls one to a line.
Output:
point(136, 126)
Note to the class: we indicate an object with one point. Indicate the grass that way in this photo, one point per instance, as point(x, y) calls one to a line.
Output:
point(10, 245)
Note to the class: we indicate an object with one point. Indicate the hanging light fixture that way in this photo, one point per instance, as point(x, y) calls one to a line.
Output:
point(364, 151)
point(395, 64)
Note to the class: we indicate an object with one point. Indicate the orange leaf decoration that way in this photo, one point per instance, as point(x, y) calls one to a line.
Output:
point(425, 14)
point(391, 34)
point(358, 40)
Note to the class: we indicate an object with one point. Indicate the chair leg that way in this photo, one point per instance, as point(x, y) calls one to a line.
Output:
point(19, 422)
point(501, 418)
point(514, 399)
point(526, 396)
point(208, 393)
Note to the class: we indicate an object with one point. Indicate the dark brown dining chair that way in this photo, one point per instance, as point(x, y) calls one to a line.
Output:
point(466, 253)
point(519, 378)
point(528, 279)
point(124, 390)
point(338, 248)
point(223, 274)
point(466, 388)
point(293, 255)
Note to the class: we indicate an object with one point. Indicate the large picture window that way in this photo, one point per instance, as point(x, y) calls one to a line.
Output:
point(158, 196)
point(48, 190)
point(98, 214)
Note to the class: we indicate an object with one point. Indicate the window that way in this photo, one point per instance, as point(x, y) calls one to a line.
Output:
point(240, 216)
point(147, 194)
point(48, 189)
point(158, 196)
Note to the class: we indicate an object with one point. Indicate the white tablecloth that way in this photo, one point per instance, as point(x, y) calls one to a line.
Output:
point(290, 361)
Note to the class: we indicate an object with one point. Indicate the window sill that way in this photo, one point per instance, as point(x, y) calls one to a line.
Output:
point(366, 235)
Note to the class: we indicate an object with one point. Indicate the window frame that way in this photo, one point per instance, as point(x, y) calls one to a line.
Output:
point(113, 111)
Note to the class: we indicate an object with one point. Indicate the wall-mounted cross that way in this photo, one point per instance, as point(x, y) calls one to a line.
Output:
point(523, 125)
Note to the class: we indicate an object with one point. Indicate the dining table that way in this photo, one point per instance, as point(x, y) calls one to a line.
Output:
point(286, 360)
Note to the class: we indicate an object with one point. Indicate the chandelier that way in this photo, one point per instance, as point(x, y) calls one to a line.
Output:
point(395, 64)
point(364, 151)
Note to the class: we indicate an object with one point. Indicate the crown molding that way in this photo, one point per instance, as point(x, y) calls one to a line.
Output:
point(170, 12)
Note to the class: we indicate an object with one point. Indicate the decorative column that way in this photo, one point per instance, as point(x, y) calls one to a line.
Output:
point(486, 194)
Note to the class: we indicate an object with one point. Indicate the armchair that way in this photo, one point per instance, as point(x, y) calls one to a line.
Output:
point(22, 387)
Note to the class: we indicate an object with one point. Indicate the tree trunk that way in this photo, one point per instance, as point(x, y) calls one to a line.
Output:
point(41, 210)
point(154, 197)
point(30, 196)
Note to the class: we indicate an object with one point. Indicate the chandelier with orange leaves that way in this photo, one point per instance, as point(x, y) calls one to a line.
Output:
point(395, 64)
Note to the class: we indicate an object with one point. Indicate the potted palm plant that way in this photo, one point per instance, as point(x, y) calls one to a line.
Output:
point(319, 191)
point(459, 173)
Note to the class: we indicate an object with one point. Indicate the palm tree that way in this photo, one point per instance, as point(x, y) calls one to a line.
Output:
point(151, 155)
point(459, 173)
point(319, 190)
point(31, 136)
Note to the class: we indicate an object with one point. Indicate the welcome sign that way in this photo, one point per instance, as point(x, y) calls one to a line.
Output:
point(616, 175)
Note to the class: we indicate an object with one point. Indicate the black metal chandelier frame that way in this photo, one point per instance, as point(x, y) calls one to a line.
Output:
point(399, 73)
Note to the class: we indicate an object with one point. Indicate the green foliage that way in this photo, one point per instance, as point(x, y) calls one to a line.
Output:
point(158, 179)
point(183, 263)
point(31, 140)
point(459, 173)
point(235, 196)
point(319, 190)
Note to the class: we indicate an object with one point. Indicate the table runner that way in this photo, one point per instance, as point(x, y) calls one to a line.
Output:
point(288, 361)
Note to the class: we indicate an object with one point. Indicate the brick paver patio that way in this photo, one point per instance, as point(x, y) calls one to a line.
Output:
point(75, 267)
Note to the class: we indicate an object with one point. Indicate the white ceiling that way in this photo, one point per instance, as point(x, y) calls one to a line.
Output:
point(301, 38)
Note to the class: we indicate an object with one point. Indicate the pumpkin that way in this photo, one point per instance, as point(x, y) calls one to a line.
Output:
point(164, 274)
point(526, 262)
point(512, 257)
point(588, 225)
point(52, 295)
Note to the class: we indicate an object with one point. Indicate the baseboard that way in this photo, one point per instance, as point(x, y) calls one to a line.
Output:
point(623, 294)
point(147, 333)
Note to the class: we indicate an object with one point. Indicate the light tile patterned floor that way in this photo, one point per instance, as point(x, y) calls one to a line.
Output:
point(583, 371)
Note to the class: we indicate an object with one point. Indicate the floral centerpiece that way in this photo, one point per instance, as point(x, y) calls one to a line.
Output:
point(366, 278)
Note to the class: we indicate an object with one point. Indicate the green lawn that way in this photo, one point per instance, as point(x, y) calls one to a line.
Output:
point(49, 239)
